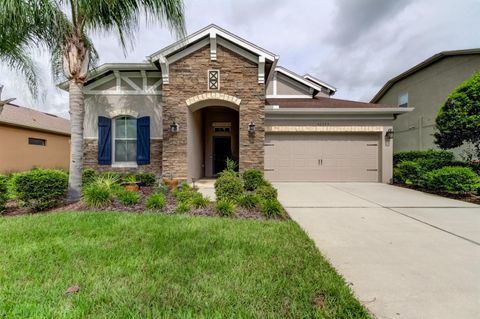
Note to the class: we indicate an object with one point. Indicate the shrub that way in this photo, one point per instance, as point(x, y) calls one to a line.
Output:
point(271, 208)
point(225, 208)
point(229, 187)
point(199, 201)
point(146, 179)
point(266, 192)
point(112, 176)
point(3, 192)
point(40, 189)
point(183, 207)
point(455, 180)
point(162, 188)
point(231, 165)
point(252, 179)
point(97, 194)
point(411, 172)
point(438, 155)
point(128, 198)
point(248, 201)
point(88, 176)
point(156, 201)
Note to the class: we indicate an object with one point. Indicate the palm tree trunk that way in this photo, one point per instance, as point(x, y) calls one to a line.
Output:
point(77, 113)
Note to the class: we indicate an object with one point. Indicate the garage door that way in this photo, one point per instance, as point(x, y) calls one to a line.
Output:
point(322, 157)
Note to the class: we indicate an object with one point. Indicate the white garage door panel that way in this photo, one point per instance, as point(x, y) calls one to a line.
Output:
point(321, 157)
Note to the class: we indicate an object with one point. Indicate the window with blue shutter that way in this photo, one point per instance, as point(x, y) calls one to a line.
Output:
point(104, 140)
point(143, 140)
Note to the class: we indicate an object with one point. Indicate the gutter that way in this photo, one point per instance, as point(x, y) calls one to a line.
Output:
point(33, 128)
point(274, 109)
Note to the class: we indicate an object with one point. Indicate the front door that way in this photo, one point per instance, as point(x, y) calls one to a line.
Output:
point(222, 149)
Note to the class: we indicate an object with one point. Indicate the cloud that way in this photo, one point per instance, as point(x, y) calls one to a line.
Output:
point(355, 45)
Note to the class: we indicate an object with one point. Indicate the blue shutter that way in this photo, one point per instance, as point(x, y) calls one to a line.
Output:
point(143, 140)
point(104, 140)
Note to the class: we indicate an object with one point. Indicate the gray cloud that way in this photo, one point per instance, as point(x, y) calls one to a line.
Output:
point(354, 45)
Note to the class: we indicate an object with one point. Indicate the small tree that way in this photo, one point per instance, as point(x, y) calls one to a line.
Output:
point(458, 121)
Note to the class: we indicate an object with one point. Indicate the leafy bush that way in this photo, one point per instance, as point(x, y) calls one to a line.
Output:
point(128, 198)
point(88, 176)
point(229, 187)
point(97, 194)
point(113, 176)
point(230, 164)
point(252, 179)
point(267, 192)
point(3, 192)
point(225, 208)
point(248, 201)
point(146, 179)
point(199, 201)
point(183, 207)
point(438, 155)
point(271, 208)
point(411, 172)
point(162, 188)
point(453, 180)
point(475, 166)
point(156, 201)
point(40, 189)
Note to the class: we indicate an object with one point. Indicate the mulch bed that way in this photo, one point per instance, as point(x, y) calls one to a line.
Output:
point(469, 198)
point(14, 210)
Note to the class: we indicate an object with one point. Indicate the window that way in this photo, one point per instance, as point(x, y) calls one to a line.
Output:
point(213, 79)
point(125, 145)
point(37, 141)
point(403, 100)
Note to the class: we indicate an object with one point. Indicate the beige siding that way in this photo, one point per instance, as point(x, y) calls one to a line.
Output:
point(17, 155)
point(427, 90)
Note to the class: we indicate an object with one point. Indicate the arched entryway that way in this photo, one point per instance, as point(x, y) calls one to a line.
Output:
point(213, 135)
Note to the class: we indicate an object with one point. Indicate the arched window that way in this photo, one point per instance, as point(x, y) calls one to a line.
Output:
point(125, 139)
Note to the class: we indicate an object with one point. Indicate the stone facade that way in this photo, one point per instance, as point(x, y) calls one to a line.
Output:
point(188, 78)
point(90, 154)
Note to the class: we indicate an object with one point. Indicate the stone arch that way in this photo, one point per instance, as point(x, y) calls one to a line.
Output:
point(200, 101)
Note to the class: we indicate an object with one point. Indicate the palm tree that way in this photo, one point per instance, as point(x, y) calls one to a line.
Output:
point(63, 27)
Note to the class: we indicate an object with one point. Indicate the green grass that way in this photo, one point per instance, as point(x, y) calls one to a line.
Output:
point(157, 266)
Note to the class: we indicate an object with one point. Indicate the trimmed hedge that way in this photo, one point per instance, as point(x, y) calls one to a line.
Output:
point(252, 179)
point(438, 155)
point(411, 172)
point(455, 180)
point(3, 192)
point(40, 189)
point(228, 187)
point(267, 192)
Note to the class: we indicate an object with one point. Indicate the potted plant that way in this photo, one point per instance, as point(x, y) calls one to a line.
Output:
point(171, 182)
point(131, 183)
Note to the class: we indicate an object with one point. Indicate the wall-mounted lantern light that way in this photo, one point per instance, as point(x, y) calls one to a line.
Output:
point(251, 128)
point(389, 134)
point(174, 127)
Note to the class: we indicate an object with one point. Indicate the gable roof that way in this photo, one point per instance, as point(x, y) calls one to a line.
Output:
point(212, 30)
point(313, 79)
point(314, 84)
point(322, 102)
point(419, 67)
point(32, 119)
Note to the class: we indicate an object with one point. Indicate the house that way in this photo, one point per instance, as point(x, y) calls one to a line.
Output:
point(213, 96)
point(30, 138)
point(426, 87)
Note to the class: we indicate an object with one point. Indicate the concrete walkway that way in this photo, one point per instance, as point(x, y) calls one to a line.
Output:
point(407, 254)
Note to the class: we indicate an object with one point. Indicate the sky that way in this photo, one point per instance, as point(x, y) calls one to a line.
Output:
point(354, 45)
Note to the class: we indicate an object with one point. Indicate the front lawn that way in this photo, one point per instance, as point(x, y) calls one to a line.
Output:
point(158, 266)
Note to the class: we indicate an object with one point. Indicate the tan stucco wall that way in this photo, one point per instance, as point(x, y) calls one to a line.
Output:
point(427, 90)
point(17, 155)
point(102, 105)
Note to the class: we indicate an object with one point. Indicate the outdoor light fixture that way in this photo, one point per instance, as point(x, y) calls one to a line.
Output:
point(251, 128)
point(174, 127)
point(389, 134)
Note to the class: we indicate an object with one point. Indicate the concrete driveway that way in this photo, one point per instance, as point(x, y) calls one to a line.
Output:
point(406, 254)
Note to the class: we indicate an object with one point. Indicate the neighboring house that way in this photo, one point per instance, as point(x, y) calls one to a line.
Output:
point(213, 96)
point(30, 138)
point(425, 87)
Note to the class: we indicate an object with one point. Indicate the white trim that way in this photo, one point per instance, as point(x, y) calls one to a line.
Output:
point(320, 129)
point(366, 110)
point(288, 96)
point(124, 164)
point(274, 84)
point(131, 83)
point(119, 81)
point(328, 86)
point(207, 32)
point(164, 67)
point(97, 83)
point(261, 69)
point(114, 139)
point(298, 78)
point(232, 47)
point(121, 92)
point(181, 54)
point(123, 112)
point(213, 46)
